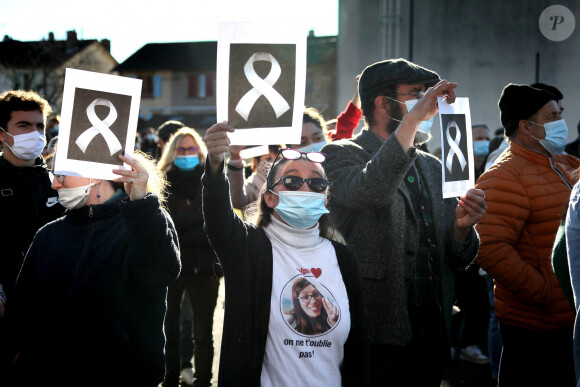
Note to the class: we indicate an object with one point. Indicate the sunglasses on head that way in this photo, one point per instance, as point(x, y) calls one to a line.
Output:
point(293, 154)
point(294, 183)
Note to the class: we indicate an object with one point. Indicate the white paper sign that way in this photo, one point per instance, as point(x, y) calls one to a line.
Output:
point(457, 147)
point(98, 121)
point(255, 151)
point(261, 78)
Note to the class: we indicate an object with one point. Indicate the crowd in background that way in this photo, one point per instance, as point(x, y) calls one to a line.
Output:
point(343, 239)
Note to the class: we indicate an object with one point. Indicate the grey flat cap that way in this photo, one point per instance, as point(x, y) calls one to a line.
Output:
point(394, 71)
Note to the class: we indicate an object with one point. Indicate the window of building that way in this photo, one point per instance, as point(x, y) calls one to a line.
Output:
point(200, 85)
point(151, 86)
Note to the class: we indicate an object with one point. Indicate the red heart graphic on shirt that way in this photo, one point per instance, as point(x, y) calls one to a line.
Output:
point(316, 272)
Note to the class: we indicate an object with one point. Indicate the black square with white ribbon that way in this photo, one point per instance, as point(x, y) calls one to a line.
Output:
point(455, 150)
point(261, 85)
point(98, 126)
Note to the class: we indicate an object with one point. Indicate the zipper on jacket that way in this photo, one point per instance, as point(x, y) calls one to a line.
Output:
point(560, 174)
point(90, 211)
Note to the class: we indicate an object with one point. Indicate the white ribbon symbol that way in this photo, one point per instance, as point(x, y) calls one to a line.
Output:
point(262, 87)
point(454, 145)
point(101, 127)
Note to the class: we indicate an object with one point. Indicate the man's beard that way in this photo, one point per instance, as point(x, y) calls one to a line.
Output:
point(396, 111)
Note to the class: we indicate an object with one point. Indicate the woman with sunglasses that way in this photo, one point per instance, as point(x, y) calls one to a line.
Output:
point(89, 301)
point(288, 238)
point(183, 160)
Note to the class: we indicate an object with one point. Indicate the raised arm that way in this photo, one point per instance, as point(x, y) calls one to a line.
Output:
point(225, 230)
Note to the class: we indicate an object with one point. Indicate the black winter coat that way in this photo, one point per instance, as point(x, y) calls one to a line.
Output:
point(184, 204)
point(89, 303)
point(245, 252)
point(27, 202)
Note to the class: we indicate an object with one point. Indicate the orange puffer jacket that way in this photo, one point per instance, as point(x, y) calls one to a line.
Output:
point(527, 194)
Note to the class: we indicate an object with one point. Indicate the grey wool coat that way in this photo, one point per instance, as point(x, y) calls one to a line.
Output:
point(371, 206)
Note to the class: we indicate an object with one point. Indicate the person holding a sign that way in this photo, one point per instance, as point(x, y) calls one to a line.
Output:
point(289, 239)
point(89, 302)
point(386, 199)
point(528, 189)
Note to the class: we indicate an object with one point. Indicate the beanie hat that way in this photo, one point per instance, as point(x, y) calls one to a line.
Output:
point(379, 75)
point(518, 102)
point(168, 128)
point(557, 93)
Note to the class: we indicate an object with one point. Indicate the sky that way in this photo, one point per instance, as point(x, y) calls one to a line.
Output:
point(130, 24)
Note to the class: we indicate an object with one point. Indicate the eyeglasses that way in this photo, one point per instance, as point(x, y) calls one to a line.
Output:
point(417, 95)
point(294, 183)
point(188, 149)
point(305, 298)
point(60, 178)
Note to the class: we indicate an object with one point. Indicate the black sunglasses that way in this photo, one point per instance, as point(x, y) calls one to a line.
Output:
point(293, 154)
point(294, 183)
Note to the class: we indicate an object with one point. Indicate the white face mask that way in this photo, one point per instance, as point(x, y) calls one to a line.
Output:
point(27, 146)
point(73, 198)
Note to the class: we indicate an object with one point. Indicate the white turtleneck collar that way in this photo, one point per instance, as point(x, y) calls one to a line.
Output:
point(283, 233)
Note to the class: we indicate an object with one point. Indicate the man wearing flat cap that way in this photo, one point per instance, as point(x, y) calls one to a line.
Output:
point(527, 192)
point(386, 199)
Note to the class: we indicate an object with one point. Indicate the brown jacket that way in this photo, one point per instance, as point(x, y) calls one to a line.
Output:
point(527, 194)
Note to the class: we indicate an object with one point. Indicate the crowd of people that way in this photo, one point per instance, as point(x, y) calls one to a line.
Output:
point(343, 263)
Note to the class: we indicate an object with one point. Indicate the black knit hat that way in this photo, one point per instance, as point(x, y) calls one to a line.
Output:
point(518, 102)
point(380, 75)
point(552, 89)
point(168, 128)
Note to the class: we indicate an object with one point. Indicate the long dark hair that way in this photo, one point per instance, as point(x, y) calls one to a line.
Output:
point(304, 323)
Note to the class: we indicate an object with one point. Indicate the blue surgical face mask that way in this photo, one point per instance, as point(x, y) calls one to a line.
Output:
point(424, 126)
point(481, 148)
point(301, 209)
point(556, 135)
point(186, 163)
point(313, 147)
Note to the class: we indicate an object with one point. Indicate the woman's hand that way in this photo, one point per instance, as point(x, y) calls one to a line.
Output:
point(217, 143)
point(135, 180)
point(331, 310)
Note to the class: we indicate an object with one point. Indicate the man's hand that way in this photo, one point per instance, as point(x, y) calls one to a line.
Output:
point(427, 105)
point(469, 211)
point(217, 142)
point(423, 111)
